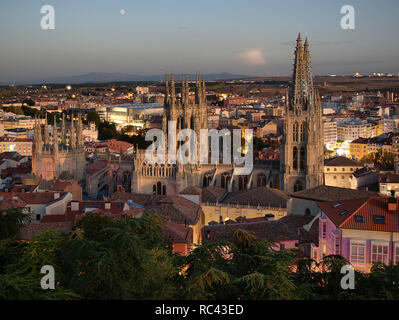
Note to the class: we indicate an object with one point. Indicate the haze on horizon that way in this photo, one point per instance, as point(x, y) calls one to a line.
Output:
point(252, 37)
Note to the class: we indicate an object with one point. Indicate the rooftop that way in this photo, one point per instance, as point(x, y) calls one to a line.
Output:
point(341, 162)
point(329, 193)
point(363, 214)
point(286, 228)
point(261, 196)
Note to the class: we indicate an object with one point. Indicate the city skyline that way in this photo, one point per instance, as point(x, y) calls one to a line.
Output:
point(154, 38)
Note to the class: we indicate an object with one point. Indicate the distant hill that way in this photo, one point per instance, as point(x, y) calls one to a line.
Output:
point(95, 77)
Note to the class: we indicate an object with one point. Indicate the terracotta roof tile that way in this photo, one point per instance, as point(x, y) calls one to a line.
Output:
point(177, 232)
point(346, 214)
point(341, 162)
point(212, 194)
point(329, 193)
point(262, 196)
point(286, 228)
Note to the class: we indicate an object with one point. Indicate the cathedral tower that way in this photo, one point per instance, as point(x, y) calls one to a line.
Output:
point(189, 111)
point(302, 155)
point(54, 156)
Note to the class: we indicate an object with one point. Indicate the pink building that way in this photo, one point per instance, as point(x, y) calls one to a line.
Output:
point(364, 231)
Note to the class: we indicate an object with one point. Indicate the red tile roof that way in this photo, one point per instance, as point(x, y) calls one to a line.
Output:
point(261, 196)
point(178, 233)
point(179, 209)
point(116, 207)
point(96, 166)
point(341, 162)
point(330, 193)
point(286, 228)
point(24, 198)
point(39, 197)
point(11, 202)
point(344, 215)
point(191, 191)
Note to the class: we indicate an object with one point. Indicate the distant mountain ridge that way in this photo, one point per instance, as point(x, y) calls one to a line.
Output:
point(99, 77)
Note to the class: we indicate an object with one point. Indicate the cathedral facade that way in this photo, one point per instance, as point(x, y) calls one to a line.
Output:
point(301, 155)
point(59, 153)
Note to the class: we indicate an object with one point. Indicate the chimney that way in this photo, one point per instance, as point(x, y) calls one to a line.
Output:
point(392, 206)
point(269, 217)
point(74, 206)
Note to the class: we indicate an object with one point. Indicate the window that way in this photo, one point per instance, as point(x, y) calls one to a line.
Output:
point(302, 158)
point(298, 186)
point(337, 245)
point(358, 249)
point(302, 131)
point(396, 253)
point(359, 219)
point(295, 158)
point(324, 230)
point(379, 219)
point(379, 253)
point(38, 217)
point(343, 212)
point(295, 132)
point(315, 256)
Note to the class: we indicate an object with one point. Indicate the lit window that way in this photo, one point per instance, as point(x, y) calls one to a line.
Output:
point(337, 245)
point(397, 253)
point(379, 253)
point(357, 252)
point(324, 230)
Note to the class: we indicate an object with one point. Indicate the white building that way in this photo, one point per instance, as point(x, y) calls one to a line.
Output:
point(330, 131)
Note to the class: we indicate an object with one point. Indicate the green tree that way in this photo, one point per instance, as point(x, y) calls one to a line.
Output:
point(118, 258)
point(107, 131)
point(11, 222)
point(21, 268)
point(92, 116)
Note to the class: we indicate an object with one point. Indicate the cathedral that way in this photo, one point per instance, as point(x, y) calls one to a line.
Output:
point(60, 154)
point(301, 155)
point(302, 147)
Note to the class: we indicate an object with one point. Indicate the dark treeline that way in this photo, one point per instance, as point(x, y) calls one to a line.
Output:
point(104, 258)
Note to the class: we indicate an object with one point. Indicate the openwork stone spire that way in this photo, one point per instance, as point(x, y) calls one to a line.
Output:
point(72, 143)
point(55, 136)
point(302, 87)
point(301, 153)
point(46, 135)
point(63, 134)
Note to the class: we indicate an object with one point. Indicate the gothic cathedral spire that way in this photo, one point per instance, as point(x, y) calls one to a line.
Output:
point(301, 155)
